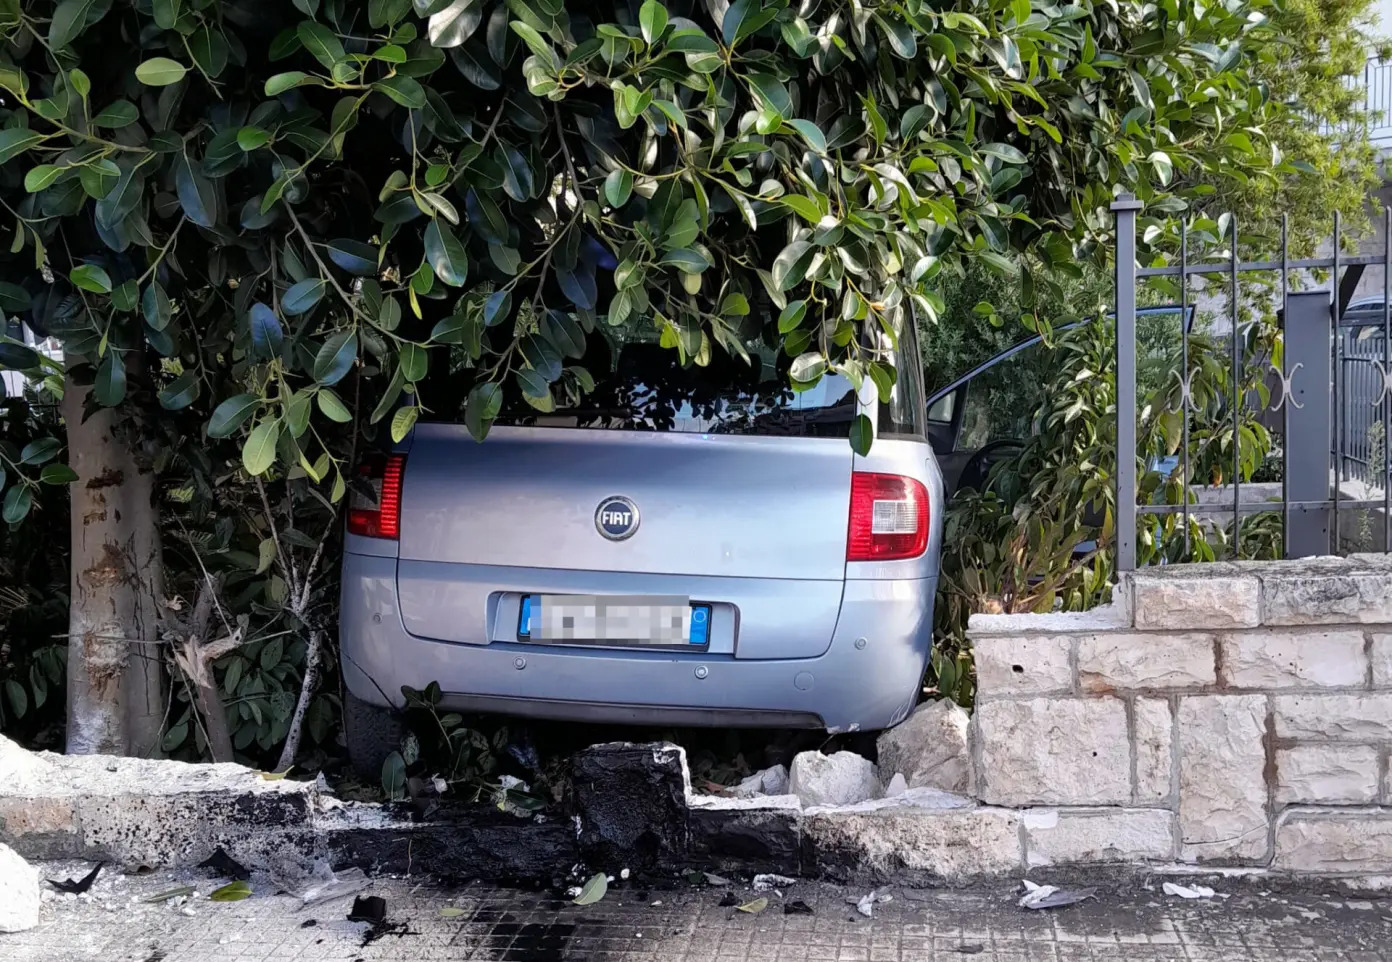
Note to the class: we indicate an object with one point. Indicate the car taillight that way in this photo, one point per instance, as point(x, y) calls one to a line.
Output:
point(889, 518)
point(379, 516)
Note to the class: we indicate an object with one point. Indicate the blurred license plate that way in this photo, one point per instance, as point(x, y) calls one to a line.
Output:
point(615, 619)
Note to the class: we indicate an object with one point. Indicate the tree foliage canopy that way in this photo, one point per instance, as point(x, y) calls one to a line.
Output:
point(261, 211)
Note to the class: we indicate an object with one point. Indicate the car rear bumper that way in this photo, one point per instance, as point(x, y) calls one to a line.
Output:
point(868, 679)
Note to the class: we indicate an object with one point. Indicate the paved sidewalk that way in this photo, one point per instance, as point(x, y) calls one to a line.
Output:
point(678, 923)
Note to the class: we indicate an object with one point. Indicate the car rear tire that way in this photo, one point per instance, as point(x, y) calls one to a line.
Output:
point(372, 732)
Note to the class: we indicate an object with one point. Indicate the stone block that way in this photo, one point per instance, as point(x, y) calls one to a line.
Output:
point(1154, 737)
point(40, 827)
point(1327, 774)
point(1121, 661)
point(840, 779)
point(1382, 660)
point(746, 840)
point(1349, 716)
point(1334, 840)
point(181, 829)
point(929, 748)
point(1327, 596)
point(1222, 784)
point(1280, 658)
point(907, 845)
point(1053, 751)
point(1023, 665)
point(631, 800)
point(1073, 836)
point(19, 893)
point(1205, 602)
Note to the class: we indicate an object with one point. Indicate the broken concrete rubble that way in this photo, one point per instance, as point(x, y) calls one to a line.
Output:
point(841, 779)
point(19, 892)
point(930, 748)
point(770, 781)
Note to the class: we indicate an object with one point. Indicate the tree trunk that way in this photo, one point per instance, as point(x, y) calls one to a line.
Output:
point(116, 692)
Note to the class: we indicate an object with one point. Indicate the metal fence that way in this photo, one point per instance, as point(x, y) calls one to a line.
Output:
point(1329, 405)
point(1375, 120)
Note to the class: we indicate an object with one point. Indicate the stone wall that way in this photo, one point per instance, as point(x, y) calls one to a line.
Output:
point(1224, 714)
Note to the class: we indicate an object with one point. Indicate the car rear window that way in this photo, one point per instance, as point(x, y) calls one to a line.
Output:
point(649, 389)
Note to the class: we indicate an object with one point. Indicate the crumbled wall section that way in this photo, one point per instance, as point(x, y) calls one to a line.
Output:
point(1227, 714)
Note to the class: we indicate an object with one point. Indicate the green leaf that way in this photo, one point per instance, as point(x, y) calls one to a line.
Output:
point(862, 435)
point(1164, 167)
point(16, 505)
point(333, 407)
point(618, 187)
point(57, 474)
point(335, 359)
point(231, 414)
point(166, 13)
point(321, 43)
point(446, 255)
point(497, 307)
point(232, 891)
point(259, 451)
point(16, 140)
point(154, 304)
point(180, 392)
point(791, 316)
point(406, 91)
point(402, 422)
point(160, 72)
point(790, 266)
point(757, 905)
point(117, 114)
point(68, 21)
point(455, 24)
point(394, 775)
point(281, 82)
point(1005, 152)
point(90, 277)
point(593, 890)
point(652, 20)
point(197, 194)
point(811, 133)
point(266, 331)
point(485, 401)
point(251, 138)
point(37, 452)
point(808, 367)
point(353, 256)
point(110, 387)
point(40, 177)
point(303, 296)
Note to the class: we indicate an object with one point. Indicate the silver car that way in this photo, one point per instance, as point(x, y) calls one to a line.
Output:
point(694, 546)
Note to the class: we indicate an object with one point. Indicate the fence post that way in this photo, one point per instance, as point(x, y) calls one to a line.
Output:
point(1126, 207)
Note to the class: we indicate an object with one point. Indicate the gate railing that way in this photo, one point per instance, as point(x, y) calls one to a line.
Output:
point(1330, 397)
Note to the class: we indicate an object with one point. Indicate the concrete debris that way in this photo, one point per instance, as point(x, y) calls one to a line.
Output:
point(19, 892)
point(20, 770)
point(770, 781)
point(1052, 897)
point(930, 747)
point(841, 779)
point(1188, 891)
point(866, 904)
point(763, 883)
point(897, 786)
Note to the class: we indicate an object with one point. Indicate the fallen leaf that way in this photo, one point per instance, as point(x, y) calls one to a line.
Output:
point(593, 890)
point(231, 892)
point(451, 912)
point(713, 879)
point(77, 886)
point(754, 907)
point(170, 894)
point(276, 776)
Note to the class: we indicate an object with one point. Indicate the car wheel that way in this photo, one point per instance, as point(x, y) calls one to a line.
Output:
point(372, 732)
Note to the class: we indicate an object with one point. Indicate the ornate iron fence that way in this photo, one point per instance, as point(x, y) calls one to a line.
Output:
point(1329, 400)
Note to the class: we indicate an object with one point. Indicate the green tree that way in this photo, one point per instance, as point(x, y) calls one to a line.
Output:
point(269, 233)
